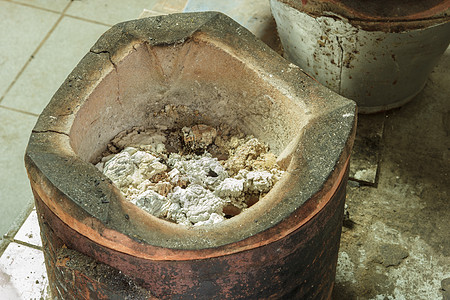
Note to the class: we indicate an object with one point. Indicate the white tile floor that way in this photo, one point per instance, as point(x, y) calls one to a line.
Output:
point(22, 273)
point(40, 43)
point(23, 29)
point(15, 193)
point(112, 11)
point(22, 268)
point(32, 91)
point(53, 5)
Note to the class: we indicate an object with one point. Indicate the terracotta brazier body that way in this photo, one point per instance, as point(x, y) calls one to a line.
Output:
point(213, 71)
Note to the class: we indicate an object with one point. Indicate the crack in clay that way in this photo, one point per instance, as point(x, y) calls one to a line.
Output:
point(341, 63)
point(118, 79)
point(115, 69)
point(65, 115)
point(49, 131)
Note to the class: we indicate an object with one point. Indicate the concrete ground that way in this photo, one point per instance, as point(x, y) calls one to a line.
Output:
point(396, 242)
point(396, 237)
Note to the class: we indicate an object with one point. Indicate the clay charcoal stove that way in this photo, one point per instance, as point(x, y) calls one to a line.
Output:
point(188, 78)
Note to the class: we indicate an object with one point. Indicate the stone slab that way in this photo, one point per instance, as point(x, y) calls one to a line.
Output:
point(366, 150)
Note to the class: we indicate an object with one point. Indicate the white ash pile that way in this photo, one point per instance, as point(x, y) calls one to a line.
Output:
point(194, 176)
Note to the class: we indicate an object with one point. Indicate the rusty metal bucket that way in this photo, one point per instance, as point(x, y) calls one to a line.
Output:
point(377, 53)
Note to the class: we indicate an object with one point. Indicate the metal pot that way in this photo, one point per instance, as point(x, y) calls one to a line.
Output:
point(377, 53)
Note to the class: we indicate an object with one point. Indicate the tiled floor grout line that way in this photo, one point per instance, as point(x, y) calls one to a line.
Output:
point(105, 24)
point(87, 20)
point(12, 240)
point(59, 12)
point(26, 244)
point(33, 6)
point(19, 111)
point(9, 236)
point(62, 14)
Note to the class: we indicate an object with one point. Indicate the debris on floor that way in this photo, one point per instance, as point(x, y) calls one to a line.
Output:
point(198, 175)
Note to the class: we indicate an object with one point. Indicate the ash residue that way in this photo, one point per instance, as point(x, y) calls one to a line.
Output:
point(193, 176)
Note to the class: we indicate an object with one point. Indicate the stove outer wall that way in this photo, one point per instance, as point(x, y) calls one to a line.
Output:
point(280, 270)
point(73, 275)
